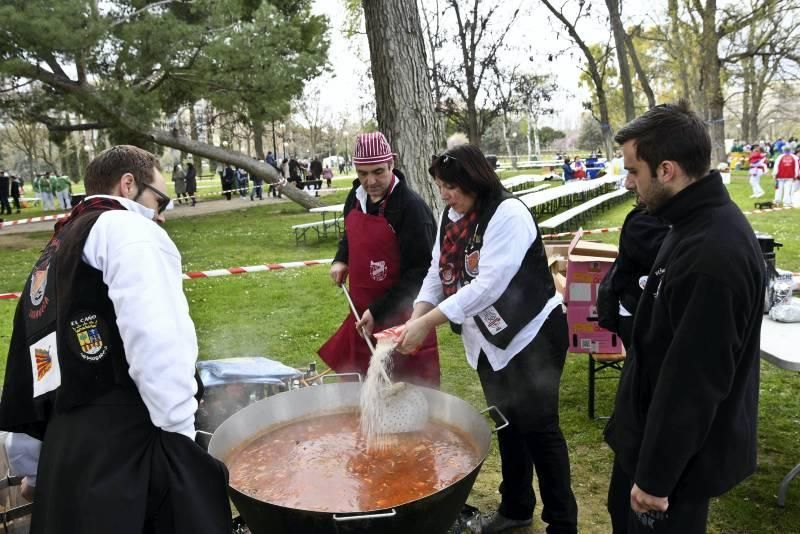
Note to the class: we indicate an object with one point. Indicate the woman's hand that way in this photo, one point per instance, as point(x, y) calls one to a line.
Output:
point(411, 335)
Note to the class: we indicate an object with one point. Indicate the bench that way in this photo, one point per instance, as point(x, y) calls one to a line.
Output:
point(581, 211)
point(531, 190)
point(300, 230)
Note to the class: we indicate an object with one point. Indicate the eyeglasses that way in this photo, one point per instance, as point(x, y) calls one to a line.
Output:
point(162, 199)
point(446, 159)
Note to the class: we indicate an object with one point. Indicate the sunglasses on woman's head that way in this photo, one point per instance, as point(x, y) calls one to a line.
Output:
point(162, 199)
point(446, 160)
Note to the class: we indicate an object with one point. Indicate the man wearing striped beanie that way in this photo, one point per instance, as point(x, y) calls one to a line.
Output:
point(385, 252)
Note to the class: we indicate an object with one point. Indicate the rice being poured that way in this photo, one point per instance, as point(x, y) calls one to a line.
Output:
point(373, 390)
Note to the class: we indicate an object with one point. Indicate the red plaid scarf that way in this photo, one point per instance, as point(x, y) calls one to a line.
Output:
point(451, 260)
point(96, 203)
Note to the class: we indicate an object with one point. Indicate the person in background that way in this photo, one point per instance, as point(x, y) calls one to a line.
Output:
point(786, 170)
point(63, 188)
point(16, 191)
point(191, 182)
point(100, 386)
point(489, 279)
point(270, 159)
point(258, 187)
point(566, 168)
point(5, 183)
point(44, 190)
point(315, 173)
point(383, 256)
point(242, 183)
point(328, 175)
point(228, 181)
point(579, 168)
point(684, 424)
point(179, 181)
point(758, 166)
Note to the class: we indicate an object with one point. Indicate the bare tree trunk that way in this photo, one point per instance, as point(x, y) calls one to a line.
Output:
point(258, 136)
point(712, 73)
point(594, 73)
point(622, 58)
point(402, 91)
point(536, 142)
point(747, 119)
point(505, 136)
point(243, 161)
point(675, 42)
point(528, 135)
point(194, 135)
point(640, 73)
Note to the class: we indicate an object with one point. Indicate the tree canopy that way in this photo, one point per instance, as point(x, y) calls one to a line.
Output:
point(123, 64)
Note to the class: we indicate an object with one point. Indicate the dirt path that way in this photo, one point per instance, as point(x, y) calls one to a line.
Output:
point(179, 212)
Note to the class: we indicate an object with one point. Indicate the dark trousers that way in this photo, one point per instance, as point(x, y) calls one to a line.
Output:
point(681, 517)
point(526, 392)
point(4, 205)
point(256, 192)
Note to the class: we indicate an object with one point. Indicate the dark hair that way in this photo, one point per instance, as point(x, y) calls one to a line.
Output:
point(105, 170)
point(466, 167)
point(670, 132)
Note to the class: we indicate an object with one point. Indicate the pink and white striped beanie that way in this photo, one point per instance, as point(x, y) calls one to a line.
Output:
point(372, 148)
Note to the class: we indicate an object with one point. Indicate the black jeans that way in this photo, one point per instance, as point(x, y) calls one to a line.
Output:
point(526, 391)
point(4, 205)
point(681, 517)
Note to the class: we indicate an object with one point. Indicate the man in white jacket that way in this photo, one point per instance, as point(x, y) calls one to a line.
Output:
point(101, 369)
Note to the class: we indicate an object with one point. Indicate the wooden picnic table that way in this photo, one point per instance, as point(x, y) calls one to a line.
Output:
point(779, 346)
point(336, 210)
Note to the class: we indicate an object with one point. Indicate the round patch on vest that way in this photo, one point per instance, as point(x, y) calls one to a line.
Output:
point(471, 261)
point(89, 336)
point(447, 274)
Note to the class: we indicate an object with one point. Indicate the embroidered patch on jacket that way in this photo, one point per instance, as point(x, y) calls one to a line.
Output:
point(471, 262)
point(447, 274)
point(89, 337)
point(38, 287)
point(378, 270)
point(492, 320)
point(44, 364)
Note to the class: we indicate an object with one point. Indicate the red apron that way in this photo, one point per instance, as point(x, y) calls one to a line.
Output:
point(374, 265)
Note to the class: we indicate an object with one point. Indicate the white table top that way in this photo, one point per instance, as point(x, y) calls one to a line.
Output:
point(334, 208)
point(521, 179)
point(780, 343)
point(573, 186)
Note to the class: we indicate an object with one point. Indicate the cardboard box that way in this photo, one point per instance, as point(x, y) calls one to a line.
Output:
point(587, 264)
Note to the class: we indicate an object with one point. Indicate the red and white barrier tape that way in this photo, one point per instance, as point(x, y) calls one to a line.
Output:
point(252, 269)
point(191, 275)
point(43, 218)
point(585, 232)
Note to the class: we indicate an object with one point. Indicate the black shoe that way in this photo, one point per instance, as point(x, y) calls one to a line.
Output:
point(496, 522)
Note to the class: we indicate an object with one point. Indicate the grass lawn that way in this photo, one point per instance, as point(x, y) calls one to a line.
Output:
point(286, 315)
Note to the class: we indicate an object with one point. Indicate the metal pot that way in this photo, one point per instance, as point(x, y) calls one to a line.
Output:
point(433, 514)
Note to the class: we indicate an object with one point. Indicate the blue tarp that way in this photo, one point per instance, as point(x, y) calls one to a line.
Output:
point(245, 370)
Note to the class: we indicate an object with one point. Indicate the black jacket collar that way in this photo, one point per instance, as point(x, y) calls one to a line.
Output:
point(704, 193)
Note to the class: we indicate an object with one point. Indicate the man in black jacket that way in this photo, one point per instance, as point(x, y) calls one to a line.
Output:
point(684, 423)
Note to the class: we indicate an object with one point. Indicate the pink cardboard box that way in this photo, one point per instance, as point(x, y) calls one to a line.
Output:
point(587, 264)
